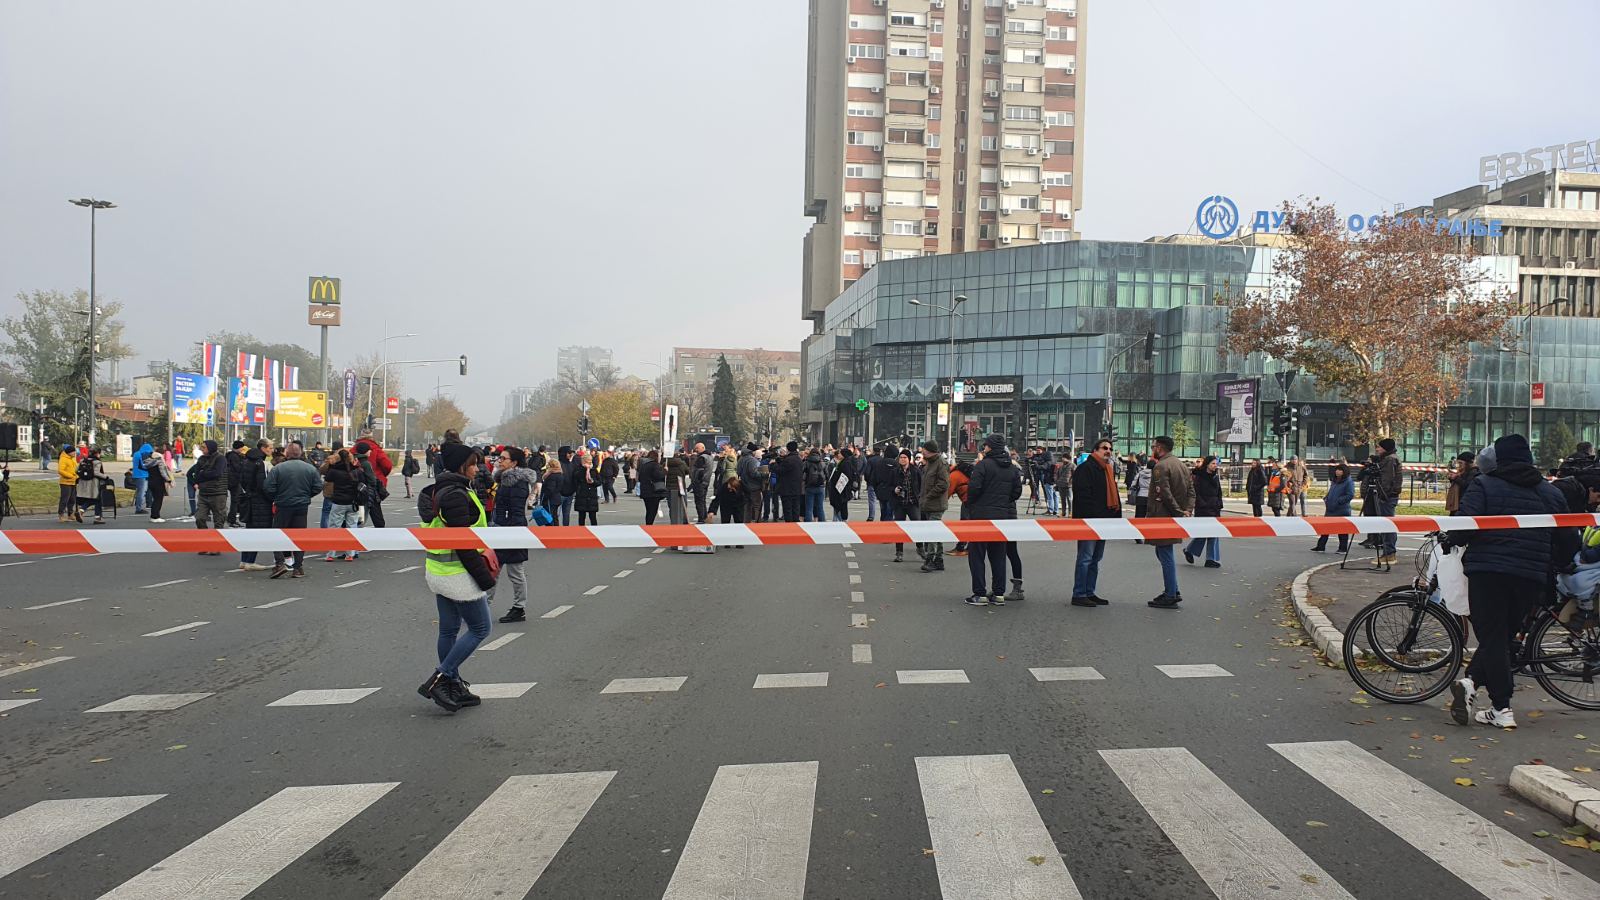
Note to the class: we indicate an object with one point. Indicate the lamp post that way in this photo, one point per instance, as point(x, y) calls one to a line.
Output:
point(93, 206)
point(951, 312)
point(383, 356)
point(1111, 366)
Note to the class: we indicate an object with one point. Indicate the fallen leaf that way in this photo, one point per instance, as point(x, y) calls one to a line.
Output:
point(1461, 760)
point(101, 759)
point(1000, 657)
point(1577, 736)
point(926, 852)
point(1439, 738)
point(1308, 878)
point(1541, 833)
point(26, 691)
point(881, 684)
point(1315, 824)
point(1580, 829)
point(1048, 791)
point(1036, 860)
point(177, 746)
point(1465, 782)
point(1578, 842)
point(1582, 769)
point(1537, 713)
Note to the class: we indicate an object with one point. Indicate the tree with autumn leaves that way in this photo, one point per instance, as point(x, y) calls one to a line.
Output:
point(1385, 317)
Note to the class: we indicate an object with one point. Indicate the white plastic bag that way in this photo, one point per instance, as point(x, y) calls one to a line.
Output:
point(1452, 579)
point(1582, 583)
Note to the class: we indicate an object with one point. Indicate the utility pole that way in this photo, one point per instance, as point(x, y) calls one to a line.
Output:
point(93, 206)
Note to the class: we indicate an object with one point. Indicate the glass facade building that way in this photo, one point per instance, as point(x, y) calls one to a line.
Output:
point(1045, 330)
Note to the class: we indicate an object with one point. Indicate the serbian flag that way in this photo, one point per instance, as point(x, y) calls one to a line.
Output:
point(247, 365)
point(291, 378)
point(274, 381)
point(210, 359)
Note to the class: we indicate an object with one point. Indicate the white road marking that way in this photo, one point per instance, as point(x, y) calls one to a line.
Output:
point(34, 832)
point(241, 855)
point(350, 584)
point(501, 641)
point(659, 550)
point(503, 847)
point(33, 665)
point(623, 574)
point(175, 629)
point(858, 597)
point(595, 590)
point(855, 579)
point(148, 702)
point(986, 832)
point(1067, 673)
point(323, 697)
point(509, 690)
point(852, 565)
point(1203, 670)
point(69, 555)
point(405, 570)
point(1466, 844)
point(278, 602)
point(57, 603)
point(931, 676)
point(555, 612)
point(752, 837)
point(8, 705)
point(792, 680)
point(1233, 848)
point(858, 620)
point(849, 554)
point(644, 685)
point(861, 653)
point(25, 562)
point(162, 584)
point(646, 561)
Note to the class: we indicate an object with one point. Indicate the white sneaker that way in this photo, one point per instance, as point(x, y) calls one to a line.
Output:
point(1462, 693)
point(157, 521)
point(1498, 718)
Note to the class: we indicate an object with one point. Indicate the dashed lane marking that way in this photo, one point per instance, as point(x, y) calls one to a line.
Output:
point(855, 579)
point(351, 584)
point(643, 562)
point(623, 574)
point(792, 680)
point(148, 703)
point(323, 697)
point(57, 603)
point(555, 612)
point(1067, 673)
point(405, 570)
point(174, 629)
point(861, 653)
point(501, 641)
point(931, 676)
point(509, 690)
point(595, 590)
point(644, 685)
point(852, 565)
point(858, 597)
point(8, 705)
point(1203, 670)
point(33, 665)
point(849, 554)
point(858, 620)
point(278, 602)
point(162, 584)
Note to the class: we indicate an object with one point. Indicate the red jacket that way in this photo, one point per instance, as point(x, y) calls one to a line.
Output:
point(382, 465)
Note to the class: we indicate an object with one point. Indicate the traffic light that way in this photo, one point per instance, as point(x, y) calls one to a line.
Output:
point(463, 365)
point(1149, 345)
point(1294, 420)
point(1280, 420)
point(1109, 432)
point(368, 425)
point(583, 424)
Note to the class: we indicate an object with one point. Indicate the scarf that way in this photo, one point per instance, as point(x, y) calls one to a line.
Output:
point(1113, 493)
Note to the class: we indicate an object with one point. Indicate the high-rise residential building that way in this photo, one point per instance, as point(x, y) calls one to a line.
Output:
point(580, 361)
point(938, 126)
point(516, 402)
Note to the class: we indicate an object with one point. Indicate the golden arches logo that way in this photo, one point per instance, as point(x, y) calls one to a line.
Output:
point(324, 289)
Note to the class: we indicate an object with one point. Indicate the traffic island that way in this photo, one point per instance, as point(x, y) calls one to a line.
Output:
point(1572, 797)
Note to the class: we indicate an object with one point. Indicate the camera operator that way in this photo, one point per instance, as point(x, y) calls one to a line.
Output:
point(1381, 482)
point(1582, 458)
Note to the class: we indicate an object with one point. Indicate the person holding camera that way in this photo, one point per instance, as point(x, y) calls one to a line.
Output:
point(1381, 482)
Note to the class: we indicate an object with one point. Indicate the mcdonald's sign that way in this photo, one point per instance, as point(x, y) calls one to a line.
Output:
point(324, 289)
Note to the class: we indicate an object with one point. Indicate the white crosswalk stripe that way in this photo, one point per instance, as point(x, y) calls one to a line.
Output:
point(1236, 851)
point(45, 827)
point(752, 837)
point(1470, 846)
point(503, 847)
point(240, 856)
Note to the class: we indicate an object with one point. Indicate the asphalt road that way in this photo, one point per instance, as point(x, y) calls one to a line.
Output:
point(915, 754)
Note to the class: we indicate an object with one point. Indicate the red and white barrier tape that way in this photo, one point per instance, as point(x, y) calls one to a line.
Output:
point(321, 540)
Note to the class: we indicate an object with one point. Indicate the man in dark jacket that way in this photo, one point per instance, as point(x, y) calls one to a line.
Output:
point(701, 475)
point(1095, 495)
point(933, 501)
point(291, 484)
point(752, 481)
point(1582, 458)
point(236, 465)
point(1380, 492)
point(881, 480)
point(1508, 570)
point(210, 477)
point(569, 484)
point(992, 493)
point(789, 470)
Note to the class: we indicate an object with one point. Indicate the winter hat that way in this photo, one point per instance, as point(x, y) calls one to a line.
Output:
point(1387, 444)
point(995, 442)
point(792, 446)
point(906, 453)
point(211, 447)
point(237, 445)
point(363, 448)
point(931, 446)
point(751, 446)
point(1465, 456)
point(66, 448)
point(454, 455)
point(1513, 448)
point(1486, 460)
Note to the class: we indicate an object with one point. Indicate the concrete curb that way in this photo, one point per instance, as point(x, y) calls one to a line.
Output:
point(1316, 623)
point(1557, 792)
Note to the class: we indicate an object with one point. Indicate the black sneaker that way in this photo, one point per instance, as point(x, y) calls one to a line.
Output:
point(464, 696)
point(1084, 601)
point(1213, 564)
point(1188, 556)
point(1099, 600)
point(977, 600)
point(516, 614)
point(997, 600)
point(1163, 602)
point(1323, 549)
point(437, 689)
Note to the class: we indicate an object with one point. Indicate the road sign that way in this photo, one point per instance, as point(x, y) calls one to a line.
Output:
point(583, 407)
point(411, 410)
point(861, 404)
point(391, 405)
point(655, 414)
point(380, 422)
point(592, 443)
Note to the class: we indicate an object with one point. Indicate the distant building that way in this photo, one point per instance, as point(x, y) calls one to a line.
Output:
point(775, 375)
point(516, 402)
point(580, 361)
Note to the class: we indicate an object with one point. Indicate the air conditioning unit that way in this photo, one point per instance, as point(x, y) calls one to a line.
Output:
point(937, 4)
point(1047, 156)
point(873, 238)
point(877, 2)
point(874, 208)
point(1004, 211)
point(876, 90)
point(1072, 13)
point(1065, 214)
point(849, 207)
point(992, 93)
point(1005, 184)
point(1011, 5)
point(934, 89)
point(849, 60)
point(1033, 151)
point(1569, 264)
point(1071, 70)
point(1006, 240)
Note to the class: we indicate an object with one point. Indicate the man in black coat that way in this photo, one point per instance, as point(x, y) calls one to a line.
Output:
point(1094, 496)
point(789, 470)
point(1508, 570)
point(992, 493)
point(236, 466)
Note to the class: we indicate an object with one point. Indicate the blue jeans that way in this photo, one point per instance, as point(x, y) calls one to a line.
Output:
point(1211, 547)
point(872, 503)
point(1087, 574)
point(141, 487)
point(566, 509)
point(1169, 569)
point(454, 649)
point(327, 510)
point(343, 516)
point(811, 510)
point(1386, 541)
point(1050, 499)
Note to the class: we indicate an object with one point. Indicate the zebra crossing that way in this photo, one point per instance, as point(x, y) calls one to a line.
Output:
point(752, 836)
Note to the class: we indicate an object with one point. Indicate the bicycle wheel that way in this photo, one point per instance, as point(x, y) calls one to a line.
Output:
point(1566, 661)
point(1403, 649)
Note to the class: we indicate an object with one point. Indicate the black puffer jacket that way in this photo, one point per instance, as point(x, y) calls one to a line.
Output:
point(253, 482)
point(344, 482)
point(790, 472)
point(650, 474)
point(1207, 494)
point(1513, 489)
point(512, 489)
point(993, 489)
point(452, 495)
point(585, 489)
point(236, 466)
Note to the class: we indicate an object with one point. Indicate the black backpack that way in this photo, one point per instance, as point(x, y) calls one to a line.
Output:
point(814, 477)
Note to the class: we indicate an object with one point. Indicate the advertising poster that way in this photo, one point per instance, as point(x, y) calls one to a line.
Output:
point(194, 399)
point(301, 409)
point(256, 395)
point(240, 409)
point(1236, 411)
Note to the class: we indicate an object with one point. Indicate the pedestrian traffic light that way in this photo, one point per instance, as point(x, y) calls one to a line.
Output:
point(463, 365)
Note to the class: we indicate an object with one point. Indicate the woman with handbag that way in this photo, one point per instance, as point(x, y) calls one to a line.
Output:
point(460, 580)
point(91, 478)
point(652, 485)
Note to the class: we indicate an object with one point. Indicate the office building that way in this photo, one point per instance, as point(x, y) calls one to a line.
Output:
point(579, 362)
point(772, 377)
point(938, 126)
point(1043, 326)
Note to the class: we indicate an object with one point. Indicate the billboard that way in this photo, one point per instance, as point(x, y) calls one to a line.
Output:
point(194, 399)
point(1236, 411)
point(301, 409)
point(238, 401)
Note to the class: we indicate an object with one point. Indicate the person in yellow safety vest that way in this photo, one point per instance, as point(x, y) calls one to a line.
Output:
point(460, 579)
point(67, 470)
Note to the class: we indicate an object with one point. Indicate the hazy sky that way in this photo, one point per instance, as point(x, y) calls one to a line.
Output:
point(509, 177)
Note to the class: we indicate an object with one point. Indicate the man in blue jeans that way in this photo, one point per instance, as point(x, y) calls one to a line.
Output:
point(141, 478)
point(1384, 493)
point(1094, 482)
point(1171, 497)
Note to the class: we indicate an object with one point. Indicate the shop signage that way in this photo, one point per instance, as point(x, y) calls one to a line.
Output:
point(319, 314)
point(861, 404)
point(323, 289)
point(1236, 411)
point(976, 390)
point(1536, 394)
point(1217, 217)
point(1572, 155)
point(349, 388)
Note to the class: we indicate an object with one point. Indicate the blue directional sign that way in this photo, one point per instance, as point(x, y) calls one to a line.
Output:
point(593, 443)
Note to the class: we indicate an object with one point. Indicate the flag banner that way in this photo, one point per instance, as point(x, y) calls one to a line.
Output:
point(291, 378)
point(274, 381)
point(210, 359)
point(247, 365)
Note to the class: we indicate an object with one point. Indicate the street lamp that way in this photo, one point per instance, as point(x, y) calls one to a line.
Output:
point(93, 206)
point(1526, 330)
point(950, 319)
point(383, 356)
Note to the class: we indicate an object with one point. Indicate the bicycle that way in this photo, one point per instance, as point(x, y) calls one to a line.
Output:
point(1406, 647)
